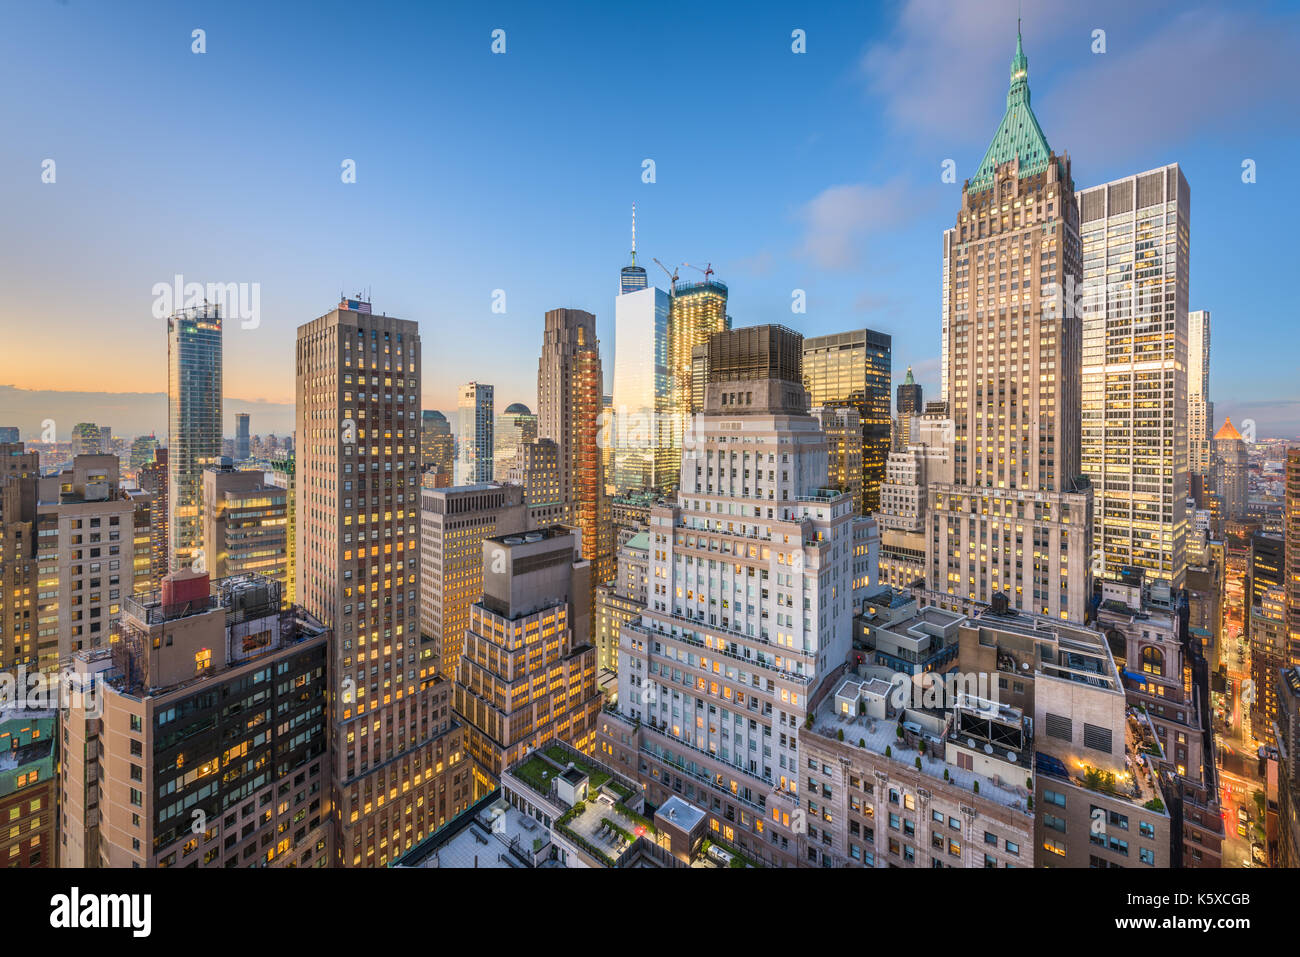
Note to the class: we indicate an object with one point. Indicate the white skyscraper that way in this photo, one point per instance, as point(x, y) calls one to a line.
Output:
point(640, 386)
point(749, 601)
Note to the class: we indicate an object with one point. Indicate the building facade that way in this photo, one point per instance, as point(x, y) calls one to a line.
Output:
point(194, 415)
point(29, 761)
point(528, 671)
point(1230, 467)
point(245, 524)
point(1136, 241)
point(474, 445)
point(643, 401)
point(907, 405)
point(749, 613)
point(853, 369)
point(358, 558)
point(1017, 517)
point(697, 310)
point(453, 525)
point(570, 414)
point(1200, 410)
point(514, 427)
point(207, 745)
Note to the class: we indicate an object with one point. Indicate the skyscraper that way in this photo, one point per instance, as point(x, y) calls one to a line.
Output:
point(1266, 628)
point(437, 444)
point(853, 369)
point(1200, 410)
point(1135, 236)
point(528, 672)
point(453, 524)
point(19, 566)
point(86, 439)
point(241, 436)
point(716, 677)
point(153, 479)
point(1230, 471)
point(643, 403)
point(1017, 517)
point(245, 523)
point(142, 453)
point(83, 515)
point(514, 427)
point(696, 311)
point(907, 406)
point(569, 400)
point(358, 554)
point(194, 357)
point(1291, 531)
point(283, 475)
point(843, 429)
point(474, 452)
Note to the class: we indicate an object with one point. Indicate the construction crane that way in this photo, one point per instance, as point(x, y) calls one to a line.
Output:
point(672, 276)
point(708, 270)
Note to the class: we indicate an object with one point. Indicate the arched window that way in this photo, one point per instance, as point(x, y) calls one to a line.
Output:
point(1153, 661)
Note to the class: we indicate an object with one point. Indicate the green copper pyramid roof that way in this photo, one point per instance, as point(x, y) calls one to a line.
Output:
point(909, 380)
point(1019, 134)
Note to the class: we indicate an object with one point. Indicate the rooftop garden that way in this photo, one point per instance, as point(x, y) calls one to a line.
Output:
point(738, 859)
point(537, 774)
point(595, 777)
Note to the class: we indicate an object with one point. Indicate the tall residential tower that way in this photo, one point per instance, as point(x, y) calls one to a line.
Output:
point(193, 423)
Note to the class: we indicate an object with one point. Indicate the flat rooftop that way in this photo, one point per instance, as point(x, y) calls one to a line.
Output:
point(680, 813)
point(877, 735)
point(1137, 783)
point(493, 835)
point(534, 535)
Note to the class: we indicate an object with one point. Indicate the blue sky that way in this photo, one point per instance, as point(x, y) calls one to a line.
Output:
point(475, 172)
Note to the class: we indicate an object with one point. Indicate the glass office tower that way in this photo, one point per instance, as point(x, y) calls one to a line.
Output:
point(193, 423)
point(853, 369)
point(1135, 234)
point(641, 387)
point(696, 312)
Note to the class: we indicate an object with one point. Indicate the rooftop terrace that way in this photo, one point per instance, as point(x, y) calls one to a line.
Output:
point(878, 736)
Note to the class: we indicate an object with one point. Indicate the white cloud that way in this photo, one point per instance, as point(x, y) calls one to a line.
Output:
point(839, 219)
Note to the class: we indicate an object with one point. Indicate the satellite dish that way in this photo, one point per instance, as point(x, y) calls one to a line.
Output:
point(1011, 756)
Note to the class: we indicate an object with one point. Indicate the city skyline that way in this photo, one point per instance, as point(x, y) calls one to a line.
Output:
point(799, 206)
point(853, 550)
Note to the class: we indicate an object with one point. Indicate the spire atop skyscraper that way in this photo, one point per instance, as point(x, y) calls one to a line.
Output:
point(907, 379)
point(633, 277)
point(1018, 136)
